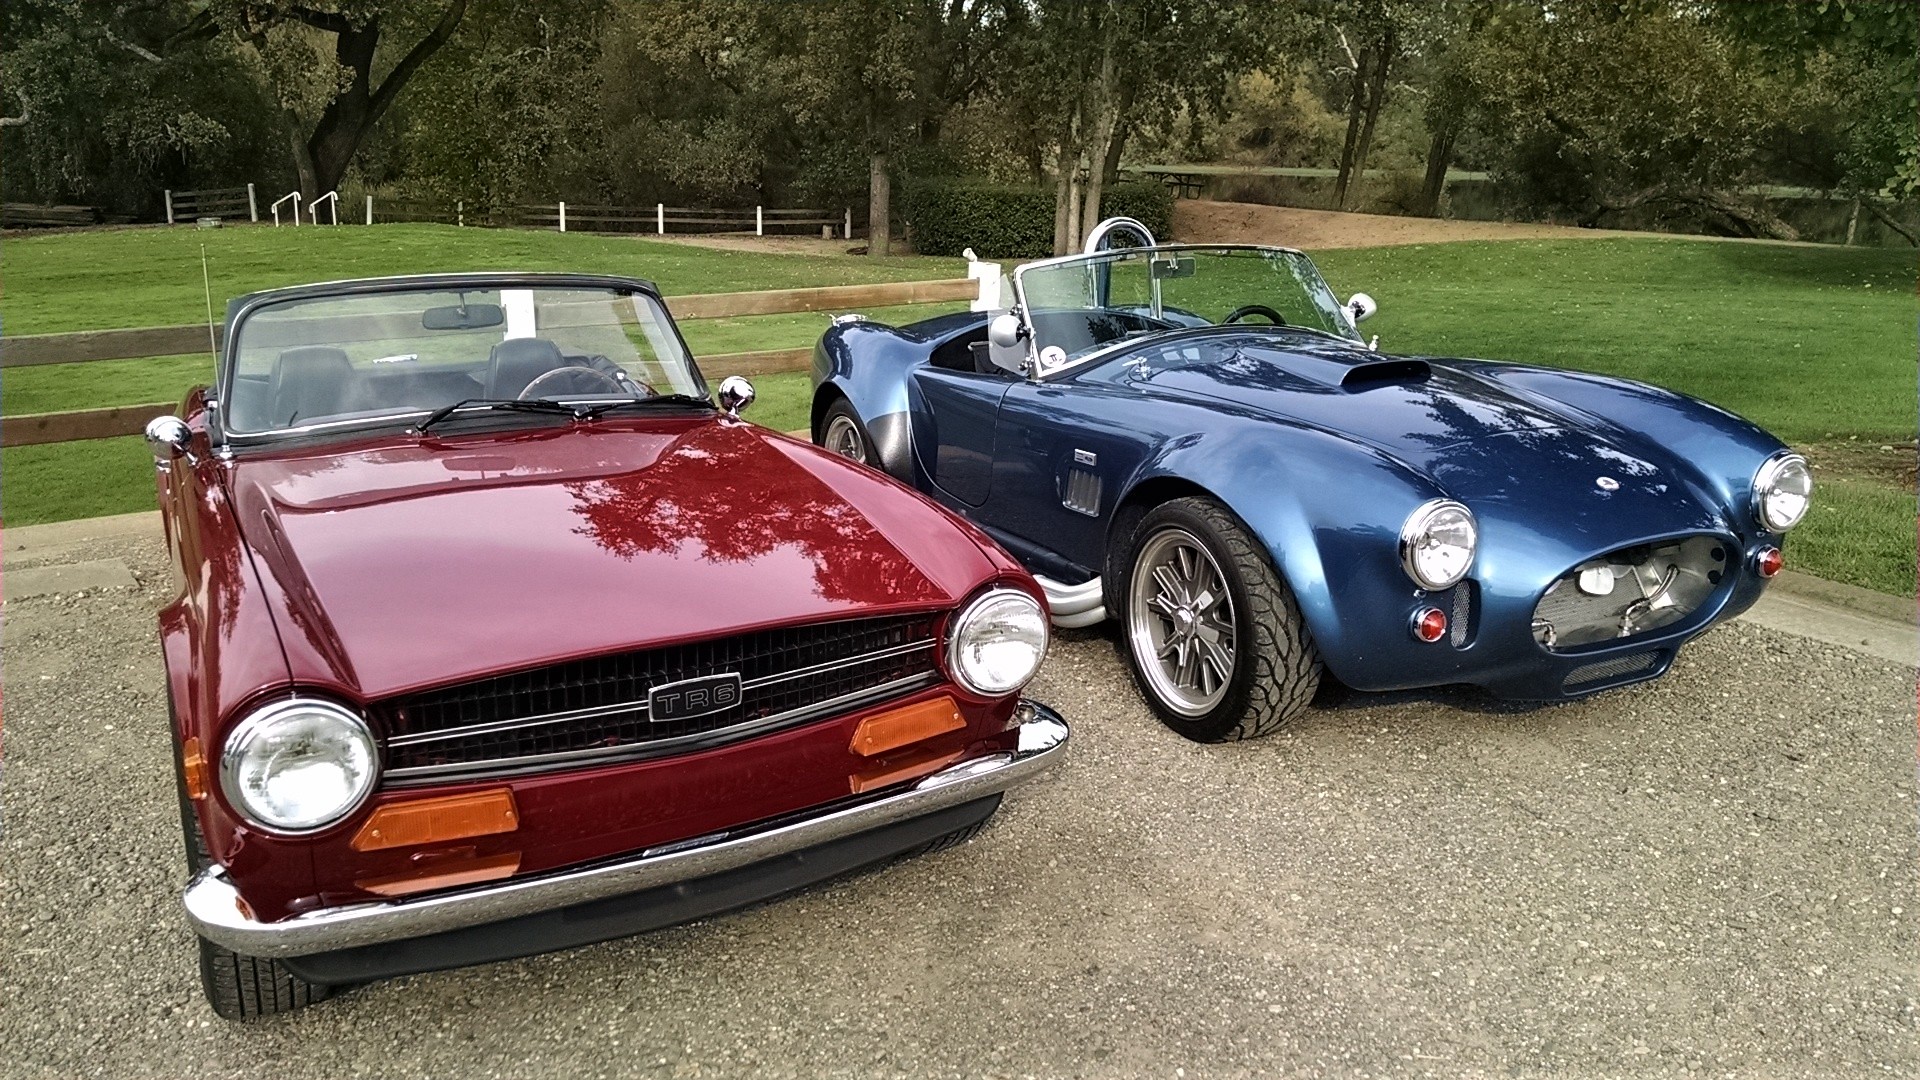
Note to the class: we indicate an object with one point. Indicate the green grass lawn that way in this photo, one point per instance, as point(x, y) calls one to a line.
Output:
point(1816, 344)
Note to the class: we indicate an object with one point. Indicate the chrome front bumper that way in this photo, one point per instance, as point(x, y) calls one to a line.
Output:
point(214, 910)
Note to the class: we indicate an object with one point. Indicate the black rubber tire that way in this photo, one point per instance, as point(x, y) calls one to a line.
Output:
point(840, 408)
point(246, 987)
point(953, 839)
point(1276, 668)
point(238, 987)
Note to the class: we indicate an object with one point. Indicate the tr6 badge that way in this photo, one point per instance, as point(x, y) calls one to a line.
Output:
point(689, 698)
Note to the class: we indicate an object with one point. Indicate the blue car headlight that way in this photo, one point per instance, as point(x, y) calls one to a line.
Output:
point(1437, 543)
point(1782, 490)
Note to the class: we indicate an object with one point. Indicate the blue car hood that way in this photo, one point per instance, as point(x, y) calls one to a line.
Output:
point(1504, 454)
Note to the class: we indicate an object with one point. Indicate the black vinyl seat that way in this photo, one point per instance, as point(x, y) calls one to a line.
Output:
point(518, 361)
point(308, 383)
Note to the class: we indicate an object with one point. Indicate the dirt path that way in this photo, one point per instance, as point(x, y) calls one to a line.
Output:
point(1204, 221)
point(1200, 221)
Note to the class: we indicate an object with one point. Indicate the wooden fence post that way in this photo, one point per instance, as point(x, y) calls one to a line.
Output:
point(253, 207)
point(460, 213)
point(660, 218)
point(169, 198)
point(847, 233)
point(759, 222)
point(563, 216)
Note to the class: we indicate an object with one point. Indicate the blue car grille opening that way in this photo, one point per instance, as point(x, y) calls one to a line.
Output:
point(1606, 671)
point(584, 711)
point(1631, 592)
point(1462, 620)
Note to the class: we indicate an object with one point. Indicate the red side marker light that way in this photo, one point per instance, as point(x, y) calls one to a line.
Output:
point(1430, 624)
point(1769, 561)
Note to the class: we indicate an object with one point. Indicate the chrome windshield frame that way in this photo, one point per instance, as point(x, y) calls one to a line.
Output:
point(1037, 373)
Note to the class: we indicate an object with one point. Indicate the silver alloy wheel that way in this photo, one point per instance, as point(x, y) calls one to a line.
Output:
point(843, 437)
point(1180, 618)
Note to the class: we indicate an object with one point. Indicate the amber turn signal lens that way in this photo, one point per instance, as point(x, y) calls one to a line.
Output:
point(887, 773)
point(445, 875)
point(1769, 561)
point(1430, 625)
point(895, 728)
point(193, 769)
point(431, 821)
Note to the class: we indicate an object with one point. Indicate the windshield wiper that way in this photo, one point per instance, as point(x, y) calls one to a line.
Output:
point(591, 411)
point(539, 405)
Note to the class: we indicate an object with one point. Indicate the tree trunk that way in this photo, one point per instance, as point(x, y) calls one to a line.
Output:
point(1076, 194)
point(322, 159)
point(879, 207)
point(1376, 96)
point(1439, 158)
point(1107, 105)
point(1356, 109)
point(1066, 192)
point(302, 157)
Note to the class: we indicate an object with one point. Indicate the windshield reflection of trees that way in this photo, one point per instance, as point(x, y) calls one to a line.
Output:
point(739, 499)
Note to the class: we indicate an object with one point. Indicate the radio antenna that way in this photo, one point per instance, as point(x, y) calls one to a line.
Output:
point(206, 282)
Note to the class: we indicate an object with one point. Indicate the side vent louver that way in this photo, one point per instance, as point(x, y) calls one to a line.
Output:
point(1083, 492)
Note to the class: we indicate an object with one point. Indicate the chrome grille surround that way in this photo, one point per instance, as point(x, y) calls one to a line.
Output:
point(589, 712)
point(1649, 587)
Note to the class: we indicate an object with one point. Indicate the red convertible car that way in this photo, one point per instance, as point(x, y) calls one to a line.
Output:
point(495, 636)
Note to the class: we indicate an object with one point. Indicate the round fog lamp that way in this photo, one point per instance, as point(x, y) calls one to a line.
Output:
point(1430, 624)
point(997, 642)
point(1768, 561)
point(300, 765)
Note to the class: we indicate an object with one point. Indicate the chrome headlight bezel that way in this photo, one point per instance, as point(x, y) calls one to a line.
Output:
point(264, 722)
point(1766, 484)
point(965, 623)
point(1416, 531)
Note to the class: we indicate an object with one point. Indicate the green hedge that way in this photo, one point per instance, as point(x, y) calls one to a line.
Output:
point(1005, 221)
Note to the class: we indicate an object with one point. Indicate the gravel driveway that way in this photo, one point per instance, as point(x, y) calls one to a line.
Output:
point(1713, 875)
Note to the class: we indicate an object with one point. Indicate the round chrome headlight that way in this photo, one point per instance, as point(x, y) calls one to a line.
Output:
point(997, 642)
point(1781, 491)
point(1437, 543)
point(298, 766)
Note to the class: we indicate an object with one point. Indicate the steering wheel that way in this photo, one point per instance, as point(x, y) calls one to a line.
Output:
point(1245, 310)
point(601, 364)
point(578, 376)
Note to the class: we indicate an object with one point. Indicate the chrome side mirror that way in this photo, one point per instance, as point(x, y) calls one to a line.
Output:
point(1004, 330)
point(736, 394)
point(1360, 308)
point(168, 437)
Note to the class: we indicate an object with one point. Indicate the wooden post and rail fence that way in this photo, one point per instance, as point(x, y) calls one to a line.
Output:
point(89, 346)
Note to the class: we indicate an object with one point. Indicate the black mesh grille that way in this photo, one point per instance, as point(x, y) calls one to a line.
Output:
point(495, 722)
point(1607, 670)
point(1462, 613)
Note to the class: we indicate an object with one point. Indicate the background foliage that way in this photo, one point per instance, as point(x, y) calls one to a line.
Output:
point(1682, 114)
point(1012, 221)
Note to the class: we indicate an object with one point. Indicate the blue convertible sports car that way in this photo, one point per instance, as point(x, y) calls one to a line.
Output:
point(1197, 441)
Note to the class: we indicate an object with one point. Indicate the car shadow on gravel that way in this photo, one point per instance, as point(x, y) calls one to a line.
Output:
point(1334, 696)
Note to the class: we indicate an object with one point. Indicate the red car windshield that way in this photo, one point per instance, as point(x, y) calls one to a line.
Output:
point(363, 359)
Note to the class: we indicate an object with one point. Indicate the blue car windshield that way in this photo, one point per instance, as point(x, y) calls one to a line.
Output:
point(1077, 306)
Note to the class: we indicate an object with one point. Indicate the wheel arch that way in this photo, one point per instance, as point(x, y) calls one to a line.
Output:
point(1326, 509)
point(869, 366)
point(824, 397)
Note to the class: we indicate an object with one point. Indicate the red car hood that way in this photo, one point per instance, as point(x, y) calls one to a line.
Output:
point(413, 562)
